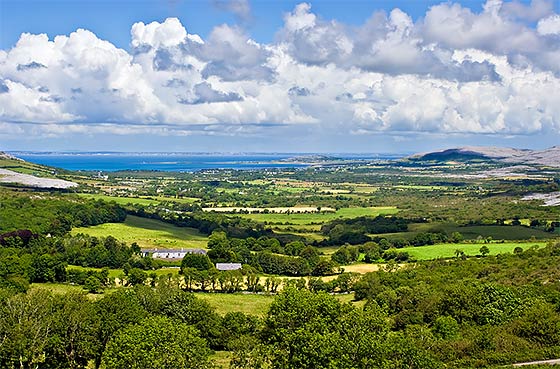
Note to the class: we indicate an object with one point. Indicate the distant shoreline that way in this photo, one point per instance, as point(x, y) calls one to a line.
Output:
point(187, 162)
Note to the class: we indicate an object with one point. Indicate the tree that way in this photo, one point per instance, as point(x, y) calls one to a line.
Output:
point(157, 343)
point(196, 261)
point(342, 256)
point(456, 237)
point(73, 339)
point(185, 307)
point(446, 327)
point(25, 323)
point(137, 276)
point(311, 254)
point(484, 250)
point(92, 284)
point(116, 311)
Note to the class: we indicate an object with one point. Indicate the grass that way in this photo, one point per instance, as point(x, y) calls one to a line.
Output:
point(148, 233)
point(238, 302)
point(309, 218)
point(254, 304)
point(221, 359)
point(349, 297)
point(26, 167)
point(497, 232)
point(447, 250)
point(422, 187)
point(142, 200)
point(113, 273)
point(62, 288)
point(121, 200)
point(362, 268)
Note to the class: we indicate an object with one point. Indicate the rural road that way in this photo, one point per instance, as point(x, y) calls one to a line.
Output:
point(542, 362)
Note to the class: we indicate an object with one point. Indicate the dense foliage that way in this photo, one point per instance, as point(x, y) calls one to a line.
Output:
point(45, 213)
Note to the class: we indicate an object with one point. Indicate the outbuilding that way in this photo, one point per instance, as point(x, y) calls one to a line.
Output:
point(228, 266)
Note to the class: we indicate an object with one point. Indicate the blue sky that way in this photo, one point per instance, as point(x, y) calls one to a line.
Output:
point(242, 75)
point(111, 19)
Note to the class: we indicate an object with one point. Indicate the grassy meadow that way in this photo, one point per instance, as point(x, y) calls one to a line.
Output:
point(64, 288)
point(252, 304)
point(148, 233)
point(142, 200)
point(238, 302)
point(472, 232)
point(322, 217)
point(447, 250)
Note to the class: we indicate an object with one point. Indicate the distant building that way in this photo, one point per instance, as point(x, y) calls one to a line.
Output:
point(171, 253)
point(102, 176)
point(228, 266)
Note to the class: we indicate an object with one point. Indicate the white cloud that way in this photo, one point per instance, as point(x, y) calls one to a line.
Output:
point(549, 25)
point(452, 71)
point(169, 33)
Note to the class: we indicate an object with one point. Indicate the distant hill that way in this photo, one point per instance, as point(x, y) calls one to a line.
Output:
point(7, 156)
point(548, 157)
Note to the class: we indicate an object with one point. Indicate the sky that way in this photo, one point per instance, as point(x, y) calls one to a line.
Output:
point(361, 76)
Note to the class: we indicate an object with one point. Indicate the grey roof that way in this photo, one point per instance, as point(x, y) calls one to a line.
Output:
point(228, 266)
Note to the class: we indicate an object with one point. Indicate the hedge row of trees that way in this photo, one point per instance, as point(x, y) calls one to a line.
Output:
point(56, 215)
point(45, 259)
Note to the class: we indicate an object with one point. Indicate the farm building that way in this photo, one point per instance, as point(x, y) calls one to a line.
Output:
point(171, 253)
point(228, 266)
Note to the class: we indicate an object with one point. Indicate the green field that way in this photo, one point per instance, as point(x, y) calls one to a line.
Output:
point(26, 168)
point(121, 200)
point(447, 250)
point(143, 200)
point(238, 302)
point(113, 273)
point(251, 303)
point(319, 218)
point(63, 288)
point(148, 233)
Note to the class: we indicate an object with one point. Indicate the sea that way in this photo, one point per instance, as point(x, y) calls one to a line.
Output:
point(176, 162)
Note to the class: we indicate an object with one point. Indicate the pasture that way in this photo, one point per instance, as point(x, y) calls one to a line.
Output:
point(237, 302)
point(253, 304)
point(447, 250)
point(64, 288)
point(320, 218)
point(148, 233)
point(142, 200)
point(121, 200)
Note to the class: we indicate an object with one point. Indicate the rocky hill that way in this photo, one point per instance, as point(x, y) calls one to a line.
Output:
point(4, 155)
point(549, 157)
point(14, 170)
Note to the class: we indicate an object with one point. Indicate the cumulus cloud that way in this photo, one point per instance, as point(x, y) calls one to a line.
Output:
point(454, 70)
